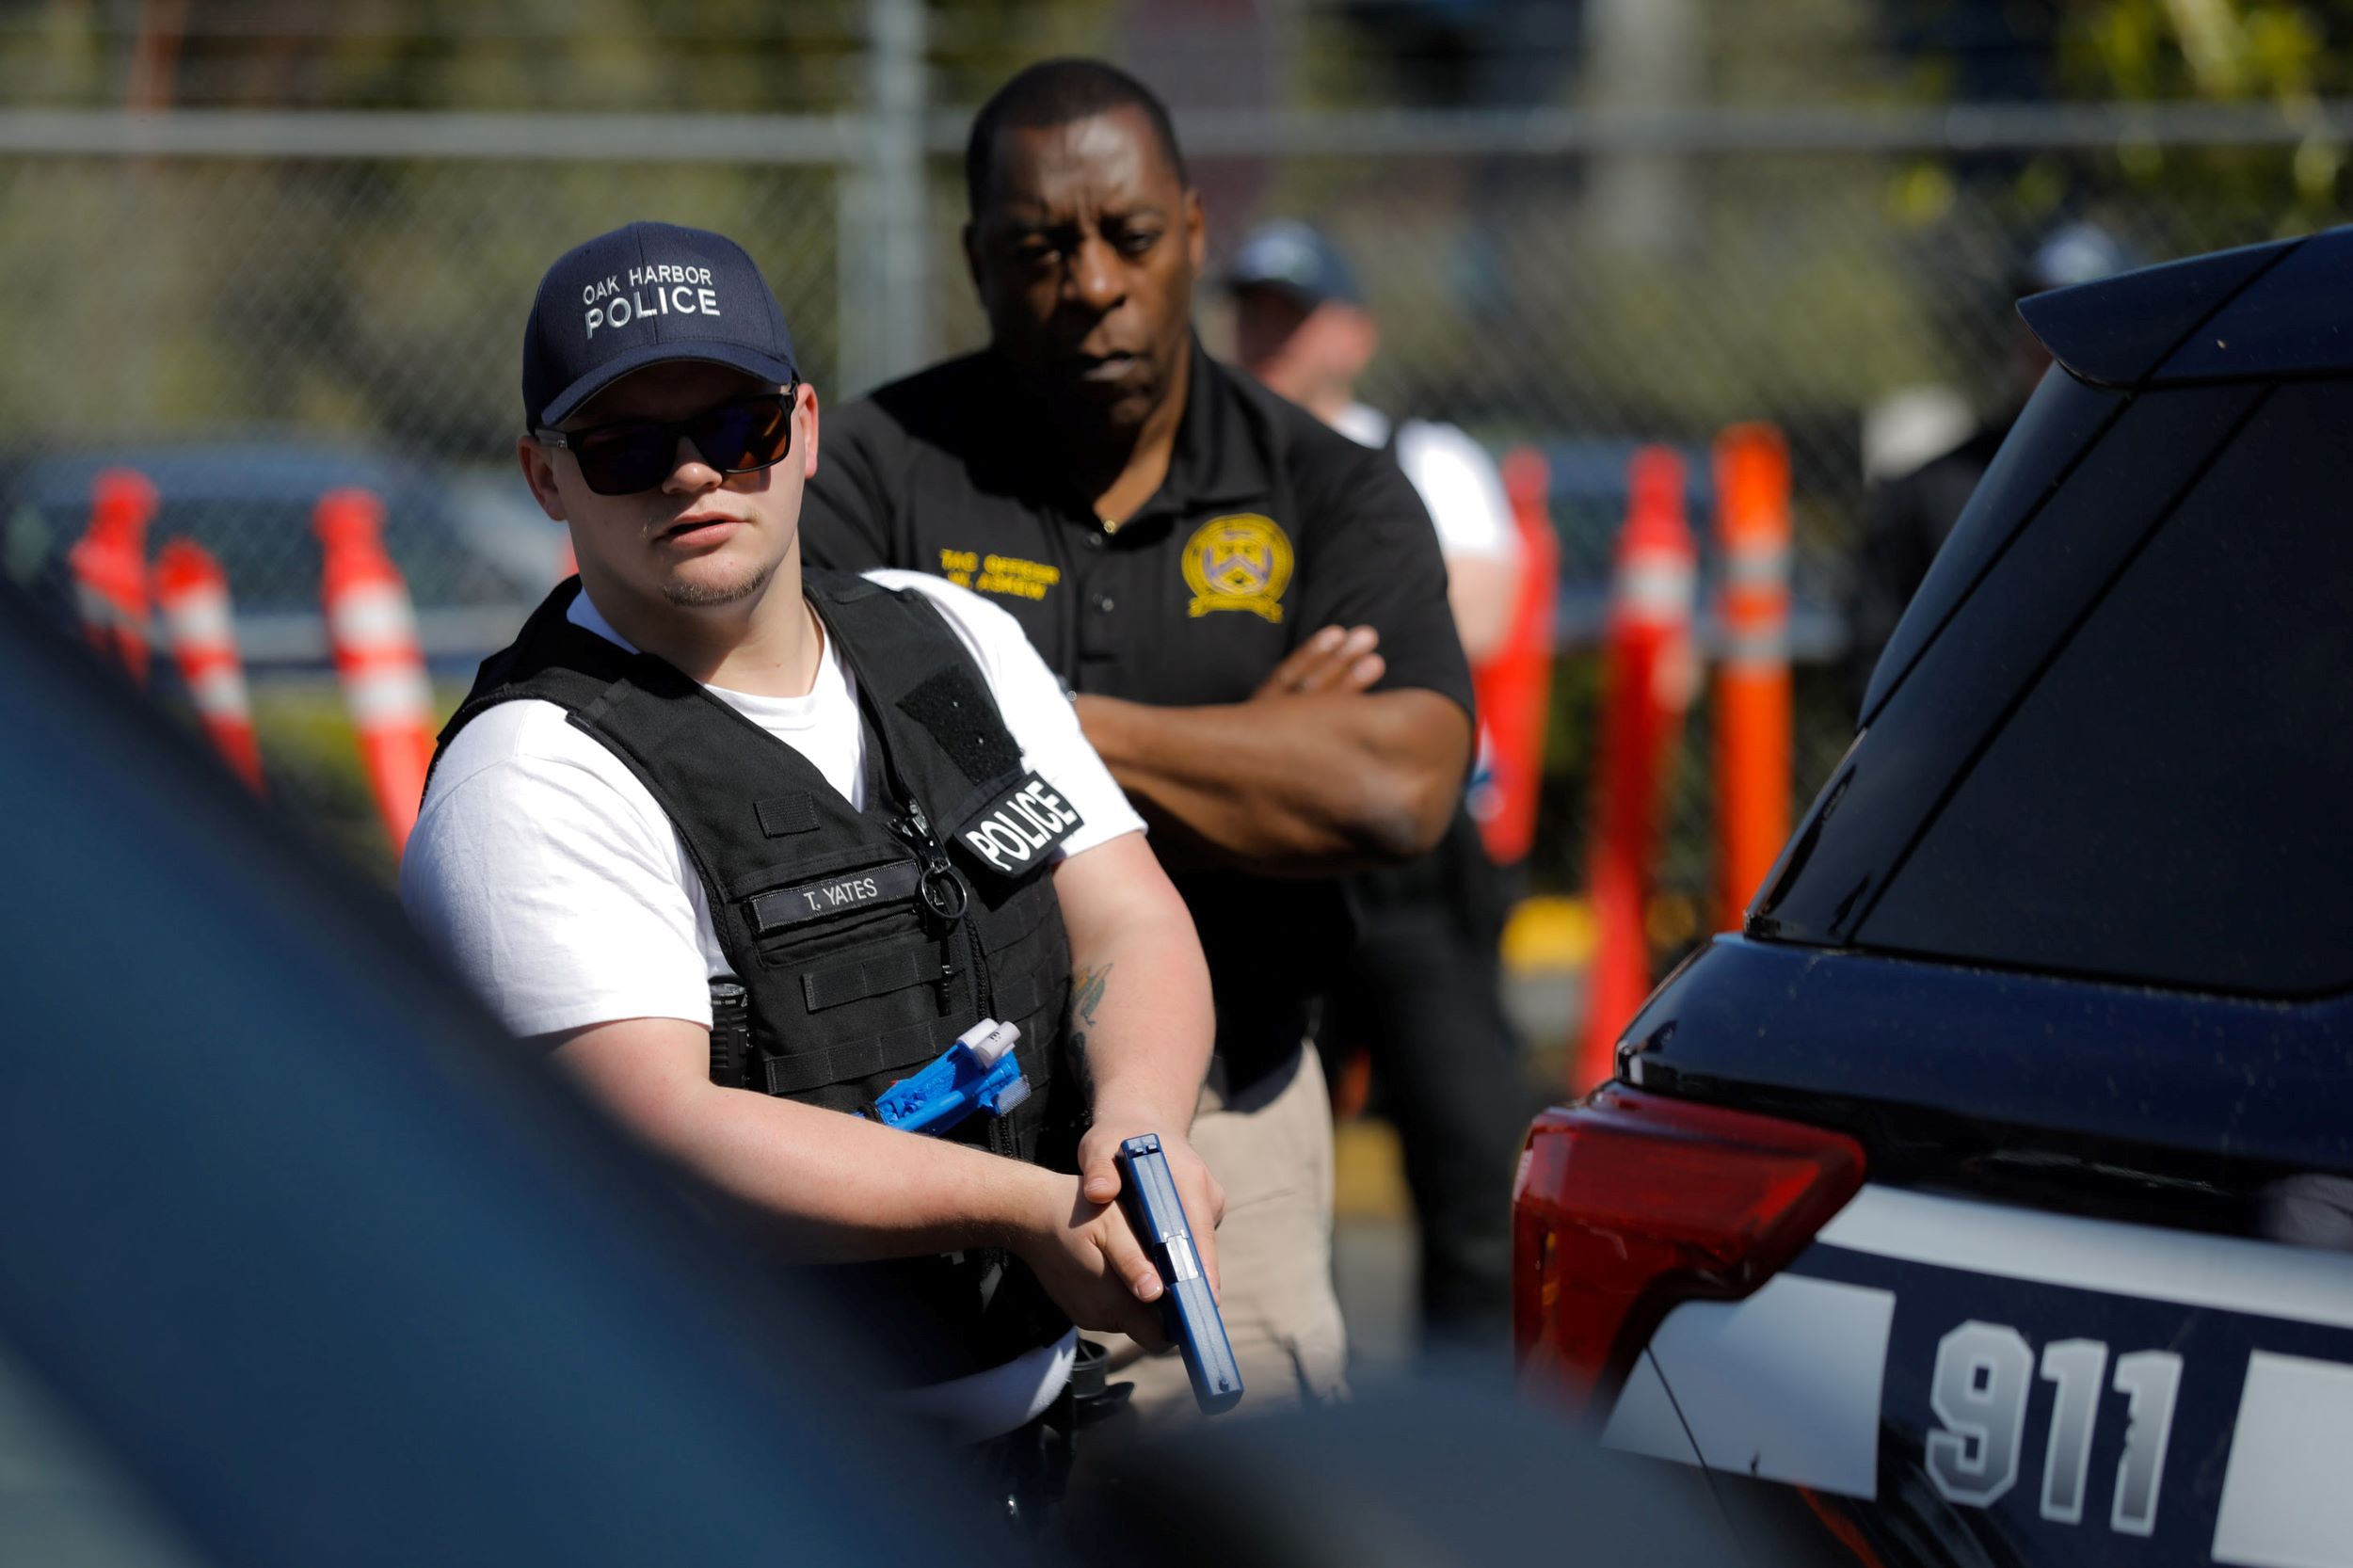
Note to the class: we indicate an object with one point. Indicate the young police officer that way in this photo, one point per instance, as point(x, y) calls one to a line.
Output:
point(859, 809)
point(1210, 570)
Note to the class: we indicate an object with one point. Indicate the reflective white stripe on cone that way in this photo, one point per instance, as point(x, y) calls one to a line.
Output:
point(192, 594)
point(372, 627)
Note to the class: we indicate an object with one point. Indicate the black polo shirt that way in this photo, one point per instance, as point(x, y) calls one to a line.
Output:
point(1269, 527)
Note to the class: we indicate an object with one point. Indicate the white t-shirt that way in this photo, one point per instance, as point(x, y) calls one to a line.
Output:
point(548, 876)
point(1455, 478)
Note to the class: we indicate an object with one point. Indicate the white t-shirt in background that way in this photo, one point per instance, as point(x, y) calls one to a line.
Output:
point(1456, 479)
point(550, 877)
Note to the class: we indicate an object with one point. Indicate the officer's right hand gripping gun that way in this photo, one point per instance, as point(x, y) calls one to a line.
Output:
point(980, 1072)
point(1187, 1311)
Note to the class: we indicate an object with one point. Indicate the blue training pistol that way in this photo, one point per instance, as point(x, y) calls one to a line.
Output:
point(980, 1072)
point(1187, 1311)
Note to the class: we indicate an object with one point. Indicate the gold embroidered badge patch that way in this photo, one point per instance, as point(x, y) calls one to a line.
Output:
point(1241, 562)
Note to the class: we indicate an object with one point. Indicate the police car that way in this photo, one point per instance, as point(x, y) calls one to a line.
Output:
point(1989, 1198)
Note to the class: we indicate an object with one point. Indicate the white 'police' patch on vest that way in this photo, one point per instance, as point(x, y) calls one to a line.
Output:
point(1020, 828)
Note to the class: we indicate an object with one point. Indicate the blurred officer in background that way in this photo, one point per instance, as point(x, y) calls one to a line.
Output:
point(1249, 608)
point(702, 784)
point(1907, 517)
point(1422, 991)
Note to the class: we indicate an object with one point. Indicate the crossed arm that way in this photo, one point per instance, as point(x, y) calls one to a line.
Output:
point(843, 1189)
point(1313, 774)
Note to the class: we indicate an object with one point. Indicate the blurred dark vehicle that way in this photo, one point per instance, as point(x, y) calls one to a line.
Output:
point(475, 551)
point(1987, 1199)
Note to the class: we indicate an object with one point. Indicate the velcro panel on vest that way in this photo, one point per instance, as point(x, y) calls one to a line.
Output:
point(873, 977)
point(780, 815)
point(910, 1046)
point(965, 722)
point(1018, 998)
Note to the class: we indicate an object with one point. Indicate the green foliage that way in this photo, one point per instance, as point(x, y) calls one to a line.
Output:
point(2224, 51)
point(573, 57)
point(2275, 52)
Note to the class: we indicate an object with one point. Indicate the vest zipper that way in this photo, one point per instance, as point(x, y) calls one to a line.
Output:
point(945, 896)
point(984, 993)
point(984, 1004)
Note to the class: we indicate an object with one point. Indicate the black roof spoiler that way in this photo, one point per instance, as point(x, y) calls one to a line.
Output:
point(2262, 311)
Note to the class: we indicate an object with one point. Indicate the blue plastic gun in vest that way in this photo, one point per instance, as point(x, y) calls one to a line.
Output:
point(979, 1072)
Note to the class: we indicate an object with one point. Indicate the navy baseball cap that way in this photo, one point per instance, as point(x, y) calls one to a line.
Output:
point(1296, 258)
point(2078, 252)
point(642, 296)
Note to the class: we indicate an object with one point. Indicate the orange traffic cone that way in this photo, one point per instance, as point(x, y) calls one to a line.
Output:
point(1751, 704)
point(110, 567)
point(373, 628)
point(192, 593)
point(1516, 685)
point(1647, 680)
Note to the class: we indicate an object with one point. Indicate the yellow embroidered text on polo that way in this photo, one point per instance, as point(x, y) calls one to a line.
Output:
point(1241, 562)
point(999, 574)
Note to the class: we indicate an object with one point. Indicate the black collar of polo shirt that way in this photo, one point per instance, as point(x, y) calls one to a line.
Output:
point(1217, 458)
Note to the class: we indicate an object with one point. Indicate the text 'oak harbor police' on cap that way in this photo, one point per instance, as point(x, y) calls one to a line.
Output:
point(641, 295)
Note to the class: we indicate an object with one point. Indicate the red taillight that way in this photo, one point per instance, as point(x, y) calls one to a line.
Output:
point(1628, 1203)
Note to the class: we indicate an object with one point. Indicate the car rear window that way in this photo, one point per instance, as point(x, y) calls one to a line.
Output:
point(2057, 427)
point(2172, 800)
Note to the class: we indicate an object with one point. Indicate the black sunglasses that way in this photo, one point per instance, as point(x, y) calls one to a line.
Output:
point(633, 455)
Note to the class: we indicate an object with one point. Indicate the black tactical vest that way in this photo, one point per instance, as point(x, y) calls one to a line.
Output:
point(865, 941)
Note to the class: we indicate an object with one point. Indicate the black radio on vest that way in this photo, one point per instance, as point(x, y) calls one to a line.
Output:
point(862, 943)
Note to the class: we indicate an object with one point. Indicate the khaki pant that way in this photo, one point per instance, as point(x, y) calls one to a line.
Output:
point(1271, 1150)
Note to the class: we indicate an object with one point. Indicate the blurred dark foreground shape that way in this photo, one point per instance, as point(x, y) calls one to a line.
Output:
point(1424, 1472)
point(307, 1263)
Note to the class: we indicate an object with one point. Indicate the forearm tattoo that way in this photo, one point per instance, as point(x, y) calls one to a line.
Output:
point(1086, 994)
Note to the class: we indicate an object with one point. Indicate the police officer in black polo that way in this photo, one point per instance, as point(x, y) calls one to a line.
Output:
point(1250, 610)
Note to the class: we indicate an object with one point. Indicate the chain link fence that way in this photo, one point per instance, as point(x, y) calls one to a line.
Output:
point(283, 303)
